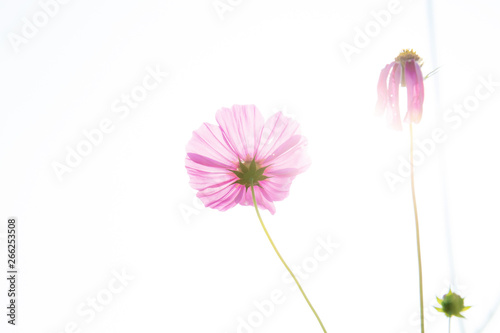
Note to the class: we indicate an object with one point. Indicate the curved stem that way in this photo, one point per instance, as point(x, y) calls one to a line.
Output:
point(418, 233)
point(283, 261)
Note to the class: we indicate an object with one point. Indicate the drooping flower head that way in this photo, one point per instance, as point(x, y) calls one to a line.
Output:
point(451, 305)
point(404, 71)
point(243, 150)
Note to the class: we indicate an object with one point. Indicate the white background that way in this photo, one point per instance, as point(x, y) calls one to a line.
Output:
point(127, 206)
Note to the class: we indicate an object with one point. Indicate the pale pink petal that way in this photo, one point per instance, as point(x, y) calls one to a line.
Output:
point(242, 128)
point(393, 115)
point(208, 161)
point(234, 199)
point(264, 200)
point(283, 148)
point(202, 177)
point(203, 160)
point(221, 198)
point(283, 152)
point(208, 141)
point(277, 188)
point(277, 131)
point(382, 90)
point(261, 197)
point(292, 162)
point(415, 88)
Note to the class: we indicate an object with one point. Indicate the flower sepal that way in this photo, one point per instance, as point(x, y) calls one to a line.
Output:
point(249, 174)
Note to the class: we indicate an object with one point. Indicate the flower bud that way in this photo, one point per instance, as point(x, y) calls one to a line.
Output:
point(452, 304)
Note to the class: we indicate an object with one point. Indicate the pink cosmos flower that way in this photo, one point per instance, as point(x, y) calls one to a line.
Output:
point(243, 150)
point(405, 70)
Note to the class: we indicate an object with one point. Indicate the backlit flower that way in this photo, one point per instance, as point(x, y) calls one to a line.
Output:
point(404, 71)
point(243, 150)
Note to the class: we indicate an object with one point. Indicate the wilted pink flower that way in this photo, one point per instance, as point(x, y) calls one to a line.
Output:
point(224, 161)
point(405, 70)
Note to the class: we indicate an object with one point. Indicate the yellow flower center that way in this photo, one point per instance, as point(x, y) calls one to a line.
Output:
point(406, 55)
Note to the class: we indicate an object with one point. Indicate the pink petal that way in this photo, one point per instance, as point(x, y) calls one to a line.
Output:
point(234, 199)
point(277, 187)
point(203, 178)
point(283, 151)
point(208, 141)
point(294, 162)
point(242, 128)
point(197, 158)
point(382, 90)
point(393, 115)
point(283, 148)
point(221, 198)
point(209, 158)
point(415, 88)
point(261, 197)
point(277, 131)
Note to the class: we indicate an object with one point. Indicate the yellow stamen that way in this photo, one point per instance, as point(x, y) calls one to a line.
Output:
point(406, 55)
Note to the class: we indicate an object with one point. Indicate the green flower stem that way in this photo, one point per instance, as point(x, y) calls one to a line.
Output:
point(418, 234)
point(282, 260)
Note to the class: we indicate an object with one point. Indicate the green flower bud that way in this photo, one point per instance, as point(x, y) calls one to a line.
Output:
point(452, 304)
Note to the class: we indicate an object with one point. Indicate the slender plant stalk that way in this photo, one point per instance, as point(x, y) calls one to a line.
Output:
point(283, 261)
point(418, 233)
point(449, 325)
